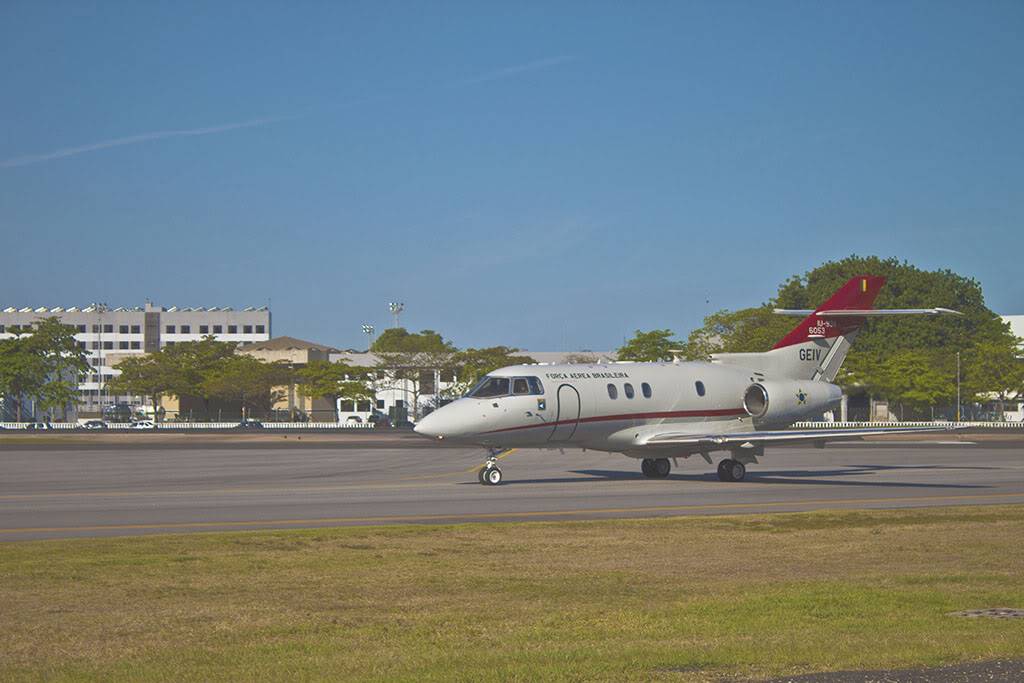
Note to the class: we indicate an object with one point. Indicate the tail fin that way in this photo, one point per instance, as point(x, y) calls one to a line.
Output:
point(857, 295)
point(817, 347)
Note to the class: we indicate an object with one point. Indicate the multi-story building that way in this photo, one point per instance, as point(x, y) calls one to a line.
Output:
point(109, 334)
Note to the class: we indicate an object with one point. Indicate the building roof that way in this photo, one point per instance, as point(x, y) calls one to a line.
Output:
point(287, 344)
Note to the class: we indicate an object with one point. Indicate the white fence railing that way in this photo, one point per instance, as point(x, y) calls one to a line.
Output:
point(188, 426)
point(950, 425)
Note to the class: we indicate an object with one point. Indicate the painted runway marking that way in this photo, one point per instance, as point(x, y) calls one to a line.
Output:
point(455, 518)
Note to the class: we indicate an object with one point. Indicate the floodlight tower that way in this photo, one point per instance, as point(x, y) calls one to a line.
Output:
point(396, 309)
point(368, 330)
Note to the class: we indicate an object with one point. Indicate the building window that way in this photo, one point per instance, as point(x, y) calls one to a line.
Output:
point(217, 329)
point(260, 329)
point(380, 404)
point(628, 388)
point(247, 329)
point(204, 329)
point(700, 388)
point(169, 344)
point(186, 329)
point(108, 329)
point(81, 345)
point(94, 345)
point(2, 329)
point(108, 346)
point(136, 345)
point(232, 329)
point(646, 389)
point(122, 329)
point(136, 329)
point(122, 345)
point(95, 329)
point(80, 328)
point(363, 407)
point(613, 393)
point(169, 329)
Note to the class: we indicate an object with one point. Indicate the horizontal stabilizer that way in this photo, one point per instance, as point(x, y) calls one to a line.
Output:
point(865, 312)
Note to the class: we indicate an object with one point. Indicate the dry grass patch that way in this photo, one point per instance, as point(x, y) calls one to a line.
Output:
point(680, 599)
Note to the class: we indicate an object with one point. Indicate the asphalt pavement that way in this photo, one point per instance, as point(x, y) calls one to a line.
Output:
point(55, 489)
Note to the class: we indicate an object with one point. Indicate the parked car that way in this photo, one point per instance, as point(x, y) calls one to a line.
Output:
point(143, 424)
point(93, 424)
point(249, 424)
point(35, 426)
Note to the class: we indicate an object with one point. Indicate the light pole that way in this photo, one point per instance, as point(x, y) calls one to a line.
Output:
point(396, 309)
point(957, 386)
point(100, 310)
point(368, 330)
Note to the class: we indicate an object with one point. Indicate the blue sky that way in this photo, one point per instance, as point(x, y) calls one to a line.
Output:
point(548, 176)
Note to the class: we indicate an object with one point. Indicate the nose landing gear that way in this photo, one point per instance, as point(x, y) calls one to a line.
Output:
point(490, 473)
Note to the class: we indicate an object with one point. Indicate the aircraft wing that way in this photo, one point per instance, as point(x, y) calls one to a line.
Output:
point(677, 438)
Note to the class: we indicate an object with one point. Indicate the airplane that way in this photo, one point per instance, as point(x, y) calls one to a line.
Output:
point(661, 411)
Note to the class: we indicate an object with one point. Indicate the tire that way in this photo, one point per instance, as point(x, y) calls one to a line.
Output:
point(737, 471)
point(647, 467)
point(662, 467)
point(725, 470)
point(492, 476)
point(480, 475)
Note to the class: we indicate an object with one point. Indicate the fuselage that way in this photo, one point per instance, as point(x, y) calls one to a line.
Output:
point(601, 406)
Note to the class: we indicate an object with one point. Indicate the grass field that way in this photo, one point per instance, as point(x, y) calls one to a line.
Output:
point(663, 599)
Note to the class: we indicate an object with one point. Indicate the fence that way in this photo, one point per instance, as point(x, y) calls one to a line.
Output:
point(871, 425)
point(189, 426)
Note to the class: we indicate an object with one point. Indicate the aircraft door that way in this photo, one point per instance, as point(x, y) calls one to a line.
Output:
point(567, 416)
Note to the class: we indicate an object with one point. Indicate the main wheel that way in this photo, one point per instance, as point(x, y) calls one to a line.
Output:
point(737, 471)
point(725, 470)
point(647, 467)
point(480, 475)
point(662, 467)
point(492, 476)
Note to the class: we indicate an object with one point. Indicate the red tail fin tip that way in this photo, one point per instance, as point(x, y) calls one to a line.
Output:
point(859, 293)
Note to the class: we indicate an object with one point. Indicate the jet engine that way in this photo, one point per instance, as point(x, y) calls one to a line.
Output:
point(780, 402)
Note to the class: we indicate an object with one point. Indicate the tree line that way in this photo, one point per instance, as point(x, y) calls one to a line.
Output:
point(908, 360)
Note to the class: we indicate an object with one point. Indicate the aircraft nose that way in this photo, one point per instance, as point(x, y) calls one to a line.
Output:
point(431, 425)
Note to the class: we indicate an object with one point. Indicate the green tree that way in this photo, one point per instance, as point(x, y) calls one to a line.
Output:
point(190, 364)
point(649, 346)
point(991, 369)
point(918, 378)
point(334, 381)
point(411, 361)
point(249, 381)
point(151, 375)
point(43, 365)
point(470, 365)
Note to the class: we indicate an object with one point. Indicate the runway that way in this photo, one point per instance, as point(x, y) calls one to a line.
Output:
point(58, 491)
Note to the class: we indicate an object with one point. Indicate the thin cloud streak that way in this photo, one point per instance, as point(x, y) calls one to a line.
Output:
point(511, 71)
point(136, 139)
point(500, 74)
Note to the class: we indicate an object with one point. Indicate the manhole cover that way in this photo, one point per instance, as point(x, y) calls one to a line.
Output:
point(992, 613)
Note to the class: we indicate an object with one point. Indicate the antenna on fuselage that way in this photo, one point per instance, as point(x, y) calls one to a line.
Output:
point(677, 355)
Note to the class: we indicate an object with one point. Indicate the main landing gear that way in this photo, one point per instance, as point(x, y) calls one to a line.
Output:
point(731, 470)
point(655, 468)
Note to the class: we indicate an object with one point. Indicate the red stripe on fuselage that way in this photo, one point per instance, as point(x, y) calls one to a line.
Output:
point(723, 412)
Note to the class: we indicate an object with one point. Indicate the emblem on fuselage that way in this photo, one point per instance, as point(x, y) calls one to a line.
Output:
point(801, 397)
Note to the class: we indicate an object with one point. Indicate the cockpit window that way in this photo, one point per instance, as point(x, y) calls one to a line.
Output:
point(490, 387)
point(520, 386)
point(535, 386)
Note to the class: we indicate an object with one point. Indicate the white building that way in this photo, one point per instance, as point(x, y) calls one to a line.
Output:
point(109, 334)
point(417, 391)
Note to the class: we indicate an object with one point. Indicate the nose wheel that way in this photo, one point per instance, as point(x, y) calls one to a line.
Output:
point(490, 473)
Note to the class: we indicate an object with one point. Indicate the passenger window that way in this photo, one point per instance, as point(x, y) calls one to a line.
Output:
point(613, 393)
point(520, 386)
point(628, 388)
point(646, 388)
point(536, 388)
point(700, 388)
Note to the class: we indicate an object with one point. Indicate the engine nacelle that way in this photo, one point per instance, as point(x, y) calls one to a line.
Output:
point(780, 402)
